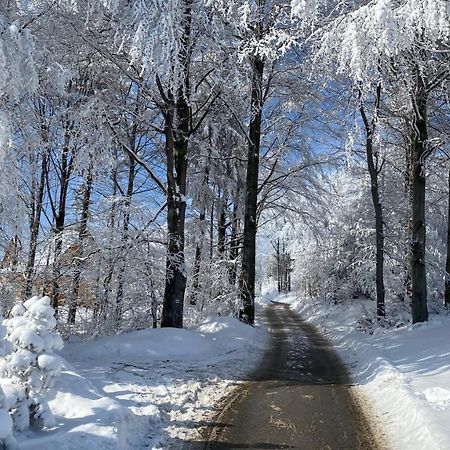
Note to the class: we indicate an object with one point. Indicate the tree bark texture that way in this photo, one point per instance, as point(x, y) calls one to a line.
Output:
point(419, 143)
point(378, 209)
point(177, 128)
point(248, 272)
point(59, 212)
point(82, 235)
point(447, 262)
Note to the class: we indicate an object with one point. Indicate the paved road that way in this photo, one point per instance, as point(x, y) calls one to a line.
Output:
point(299, 398)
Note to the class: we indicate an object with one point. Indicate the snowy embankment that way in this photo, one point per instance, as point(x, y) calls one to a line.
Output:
point(147, 389)
point(404, 372)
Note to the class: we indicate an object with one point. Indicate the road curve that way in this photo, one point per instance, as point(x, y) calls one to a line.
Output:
point(299, 397)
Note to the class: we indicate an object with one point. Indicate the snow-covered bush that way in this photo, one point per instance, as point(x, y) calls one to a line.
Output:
point(32, 364)
point(7, 440)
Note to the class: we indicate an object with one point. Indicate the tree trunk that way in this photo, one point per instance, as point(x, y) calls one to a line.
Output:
point(447, 263)
point(378, 209)
point(277, 249)
point(221, 231)
point(234, 246)
point(211, 230)
point(177, 129)
point(154, 306)
point(407, 291)
point(379, 229)
point(102, 302)
point(56, 269)
point(126, 225)
point(198, 259)
point(175, 285)
point(35, 224)
point(82, 234)
point(37, 204)
point(248, 272)
point(418, 232)
point(60, 216)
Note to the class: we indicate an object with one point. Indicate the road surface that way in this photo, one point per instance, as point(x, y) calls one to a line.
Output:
point(299, 398)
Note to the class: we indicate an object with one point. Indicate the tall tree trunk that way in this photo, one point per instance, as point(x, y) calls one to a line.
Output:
point(35, 223)
point(234, 246)
point(104, 282)
point(373, 169)
point(221, 230)
point(379, 228)
point(82, 234)
point(125, 237)
point(60, 215)
point(289, 273)
point(176, 151)
point(198, 258)
point(418, 232)
point(103, 300)
point(153, 303)
point(248, 272)
point(447, 262)
point(277, 253)
point(211, 230)
point(37, 204)
point(177, 128)
point(407, 291)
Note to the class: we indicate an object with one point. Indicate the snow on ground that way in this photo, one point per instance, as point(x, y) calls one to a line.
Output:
point(147, 389)
point(403, 372)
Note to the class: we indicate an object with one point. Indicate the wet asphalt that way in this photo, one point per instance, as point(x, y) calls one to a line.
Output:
point(298, 398)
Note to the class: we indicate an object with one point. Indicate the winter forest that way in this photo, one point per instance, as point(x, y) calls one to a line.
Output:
point(200, 199)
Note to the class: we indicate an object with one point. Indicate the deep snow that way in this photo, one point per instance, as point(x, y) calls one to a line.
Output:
point(155, 389)
point(403, 373)
point(147, 389)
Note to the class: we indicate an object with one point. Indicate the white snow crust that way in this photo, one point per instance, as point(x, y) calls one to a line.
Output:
point(149, 389)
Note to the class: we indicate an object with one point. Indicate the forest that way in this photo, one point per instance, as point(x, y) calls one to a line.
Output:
point(163, 161)
point(144, 144)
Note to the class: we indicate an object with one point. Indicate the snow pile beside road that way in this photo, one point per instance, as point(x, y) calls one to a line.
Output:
point(84, 418)
point(212, 337)
point(404, 372)
point(148, 389)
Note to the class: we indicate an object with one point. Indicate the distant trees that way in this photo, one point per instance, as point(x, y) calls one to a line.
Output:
point(283, 266)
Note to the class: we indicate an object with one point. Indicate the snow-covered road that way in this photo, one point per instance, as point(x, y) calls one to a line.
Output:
point(299, 397)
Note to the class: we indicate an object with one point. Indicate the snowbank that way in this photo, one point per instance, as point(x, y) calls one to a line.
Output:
point(146, 389)
point(84, 418)
point(404, 372)
point(212, 337)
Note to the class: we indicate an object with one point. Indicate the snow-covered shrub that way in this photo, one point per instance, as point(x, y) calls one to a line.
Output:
point(32, 364)
point(7, 440)
point(16, 403)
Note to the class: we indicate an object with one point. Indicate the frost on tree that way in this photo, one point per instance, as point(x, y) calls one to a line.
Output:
point(32, 364)
point(399, 45)
point(17, 74)
point(367, 39)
